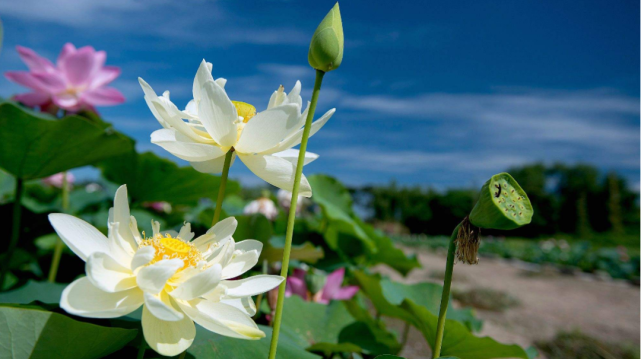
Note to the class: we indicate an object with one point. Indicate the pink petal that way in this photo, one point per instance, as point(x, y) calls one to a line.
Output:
point(32, 99)
point(333, 283)
point(103, 96)
point(34, 61)
point(50, 81)
point(104, 76)
point(298, 273)
point(67, 50)
point(79, 66)
point(296, 286)
point(346, 293)
point(27, 79)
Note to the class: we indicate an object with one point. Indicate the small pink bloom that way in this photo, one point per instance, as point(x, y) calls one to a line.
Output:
point(77, 81)
point(57, 180)
point(332, 289)
point(160, 207)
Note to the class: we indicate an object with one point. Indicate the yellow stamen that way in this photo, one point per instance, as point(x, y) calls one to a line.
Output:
point(169, 248)
point(245, 110)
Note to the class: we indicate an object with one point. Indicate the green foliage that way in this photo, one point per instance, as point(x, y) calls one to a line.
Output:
point(346, 234)
point(212, 345)
point(458, 340)
point(44, 292)
point(554, 191)
point(150, 178)
point(38, 333)
point(35, 145)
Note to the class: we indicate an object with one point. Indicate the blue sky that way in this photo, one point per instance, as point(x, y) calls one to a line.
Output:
point(429, 93)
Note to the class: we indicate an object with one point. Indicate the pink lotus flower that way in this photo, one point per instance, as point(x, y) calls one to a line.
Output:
point(331, 290)
point(57, 180)
point(77, 81)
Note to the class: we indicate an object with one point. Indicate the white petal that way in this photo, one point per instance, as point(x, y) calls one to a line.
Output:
point(173, 117)
point(277, 98)
point(83, 299)
point(291, 155)
point(268, 128)
point(295, 139)
point(294, 95)
point(198, 284)
point(224, 228)
point(252, 285)
point(80, 236)
point(240, 264)
point(249, 245)
point(276, 171)
point(161, 308)
point(218, 114)
point(150, 95)
point(202, 76)
point(222, 319)
point(245, 304)
point(143, 256)
point(133, 226)
point(122, 216)
point(153, 278)
point(169, 139)
point(167, 338)
point(212, 166)
point(108, 275)
point(185, 232)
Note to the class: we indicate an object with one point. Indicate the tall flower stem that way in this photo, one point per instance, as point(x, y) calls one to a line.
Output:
point(292, 214)
point(445, 296)
point(15, 230)
point(60, 246)
point(221, 188)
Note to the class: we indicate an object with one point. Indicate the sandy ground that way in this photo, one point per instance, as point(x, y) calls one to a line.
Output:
point(549, 303)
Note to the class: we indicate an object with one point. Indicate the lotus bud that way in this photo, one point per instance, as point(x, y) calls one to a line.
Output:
point(326, 48)
point(315, 281)
point(502, 204)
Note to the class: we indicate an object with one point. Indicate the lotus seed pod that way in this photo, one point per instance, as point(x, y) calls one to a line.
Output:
point(315, 281)
point(502, 204)
point(326, 48)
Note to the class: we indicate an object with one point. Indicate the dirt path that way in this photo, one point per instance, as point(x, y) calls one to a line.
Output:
point(548, 303)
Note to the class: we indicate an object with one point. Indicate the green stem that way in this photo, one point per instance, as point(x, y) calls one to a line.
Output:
point(223, 184)
point(183, 355)
point(260, 296)
point(57, 252)
point(141, 351)
point(292, 214)
point(15, 230)
point(445, 296)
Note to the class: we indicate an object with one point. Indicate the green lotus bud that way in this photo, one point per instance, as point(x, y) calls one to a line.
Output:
point(502, 204)
point(326, 48)
point(315, 281)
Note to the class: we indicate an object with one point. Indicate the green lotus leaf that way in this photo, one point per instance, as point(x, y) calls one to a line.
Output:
point(41, 334)
point(150, 178)
point(34, 145)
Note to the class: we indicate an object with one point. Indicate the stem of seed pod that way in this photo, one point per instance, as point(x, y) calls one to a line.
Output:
point(445, 296)
point(57, 252)
point(15, 230)
point(292, 214)
point(221, 188)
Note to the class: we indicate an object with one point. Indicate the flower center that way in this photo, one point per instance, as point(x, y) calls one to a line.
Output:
point(245, 111)
point(168, 247)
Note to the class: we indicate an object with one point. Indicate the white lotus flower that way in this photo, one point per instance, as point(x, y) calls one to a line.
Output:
point(215, 124)
point(264, 206)
point(177, 280)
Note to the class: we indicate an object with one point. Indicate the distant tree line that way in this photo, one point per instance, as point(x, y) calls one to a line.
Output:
point(576, 199)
